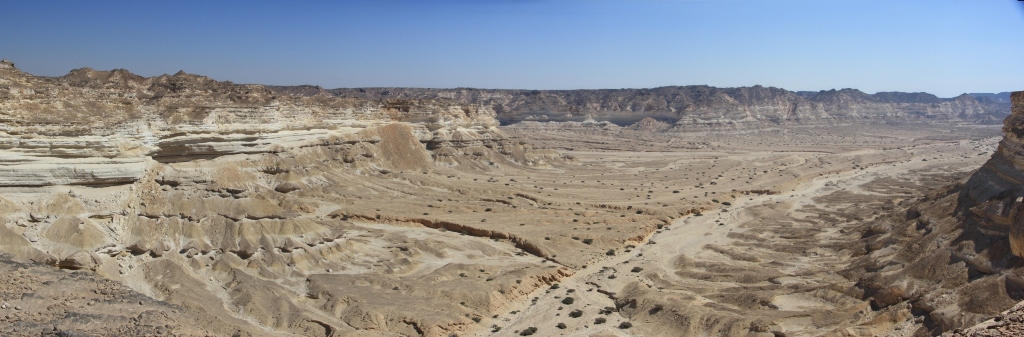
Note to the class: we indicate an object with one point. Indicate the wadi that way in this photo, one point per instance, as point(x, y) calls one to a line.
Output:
point(178, 205)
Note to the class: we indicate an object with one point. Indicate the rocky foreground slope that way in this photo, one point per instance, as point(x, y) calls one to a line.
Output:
point(955, 257)
point(235, 207)
point(699, 107)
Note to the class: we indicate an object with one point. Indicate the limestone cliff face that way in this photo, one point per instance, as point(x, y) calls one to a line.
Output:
point(108, 127)
point(690, 107)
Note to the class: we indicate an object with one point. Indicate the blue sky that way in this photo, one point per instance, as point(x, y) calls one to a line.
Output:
point(942, 47)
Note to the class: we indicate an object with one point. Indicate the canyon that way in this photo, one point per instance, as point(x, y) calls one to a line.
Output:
point(181, 205)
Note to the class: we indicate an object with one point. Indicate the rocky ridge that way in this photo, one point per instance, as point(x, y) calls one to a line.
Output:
point(698, 107)
point(94, 127)
point(224, 202)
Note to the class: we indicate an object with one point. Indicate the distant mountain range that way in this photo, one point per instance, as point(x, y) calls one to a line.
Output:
point(700, 105)
point(1002, 97)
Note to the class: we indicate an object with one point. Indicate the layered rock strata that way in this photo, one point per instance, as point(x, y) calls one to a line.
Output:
point(700, 107)
point(107, 127)
point(237, 207)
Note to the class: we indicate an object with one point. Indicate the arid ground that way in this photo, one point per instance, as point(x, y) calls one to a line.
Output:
point(779, 217)
point(622, 233)
point(180, 205)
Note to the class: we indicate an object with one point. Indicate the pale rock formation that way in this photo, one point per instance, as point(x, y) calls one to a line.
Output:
point(216, 197)
point(699, 107)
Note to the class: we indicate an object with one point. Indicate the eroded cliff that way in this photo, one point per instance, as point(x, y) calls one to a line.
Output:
point(108, 127)
point(954, 257)
point(700, 107)
point(236, 207)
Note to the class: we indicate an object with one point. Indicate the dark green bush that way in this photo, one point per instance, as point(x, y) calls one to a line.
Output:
point(528, 331)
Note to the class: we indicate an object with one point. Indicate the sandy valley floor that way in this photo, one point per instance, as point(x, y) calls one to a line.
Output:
point(771, 238)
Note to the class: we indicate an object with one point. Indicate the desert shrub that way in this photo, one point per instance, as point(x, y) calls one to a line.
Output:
point(568, 300)
point(625, 325)
point(528, 331)
point(576, 313)
point(560, 325)
point(600, 320)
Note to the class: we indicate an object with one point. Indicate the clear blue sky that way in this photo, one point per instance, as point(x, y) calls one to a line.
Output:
point(937, 46)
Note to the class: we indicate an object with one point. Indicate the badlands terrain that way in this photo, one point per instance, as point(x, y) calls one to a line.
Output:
point(179, 205)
